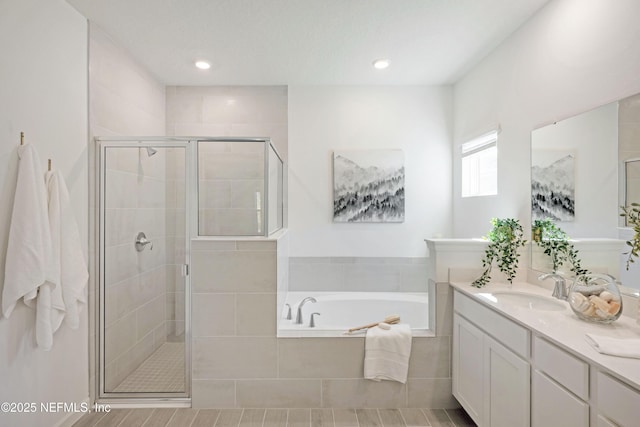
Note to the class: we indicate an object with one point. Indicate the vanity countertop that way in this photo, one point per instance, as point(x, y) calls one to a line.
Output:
point(565, 329)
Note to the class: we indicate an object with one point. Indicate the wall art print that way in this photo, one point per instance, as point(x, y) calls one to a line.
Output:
point(368, 186)
point(552, 185)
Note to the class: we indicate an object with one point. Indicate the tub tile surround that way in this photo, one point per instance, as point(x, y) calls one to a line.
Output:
point(358, 274)
point(238, 362)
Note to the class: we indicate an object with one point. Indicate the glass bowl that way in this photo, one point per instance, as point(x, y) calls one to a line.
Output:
point(596, 298)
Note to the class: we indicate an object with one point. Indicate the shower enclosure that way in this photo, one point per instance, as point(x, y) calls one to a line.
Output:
point(155, 195)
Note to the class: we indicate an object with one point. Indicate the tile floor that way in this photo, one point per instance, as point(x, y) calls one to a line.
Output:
point(163, 371)
point(170, 417)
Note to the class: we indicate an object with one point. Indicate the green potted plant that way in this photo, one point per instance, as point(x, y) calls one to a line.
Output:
point(555, 243)
point(505, 239)
point(632, 215)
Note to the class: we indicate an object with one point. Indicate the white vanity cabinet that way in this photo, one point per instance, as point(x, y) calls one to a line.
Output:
point(491, 376)
point(508, 373)
point(559, 388)
point(618, 404)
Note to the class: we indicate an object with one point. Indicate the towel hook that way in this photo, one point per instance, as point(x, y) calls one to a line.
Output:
point(49, 165)
point(21, 138)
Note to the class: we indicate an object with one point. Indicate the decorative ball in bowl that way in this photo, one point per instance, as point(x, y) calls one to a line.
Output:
point(596, 299)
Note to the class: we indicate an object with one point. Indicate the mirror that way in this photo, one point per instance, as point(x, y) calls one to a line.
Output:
point(582, 170)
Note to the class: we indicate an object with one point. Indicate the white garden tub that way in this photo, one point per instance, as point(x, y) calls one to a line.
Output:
point(340, 311)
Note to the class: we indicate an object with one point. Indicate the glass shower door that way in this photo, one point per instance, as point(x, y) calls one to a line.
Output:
point(143, 271)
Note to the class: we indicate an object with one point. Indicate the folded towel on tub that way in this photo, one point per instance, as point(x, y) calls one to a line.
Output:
point(387, 353)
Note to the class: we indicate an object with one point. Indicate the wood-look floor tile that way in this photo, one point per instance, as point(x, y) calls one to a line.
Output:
point(460, 418)
point(229, 418)
point(113, 418)
point(206, 418)
point(414, 417)
point(160, 417)
point(299, 418)
point(252, 418)
point(137, 417)
point(322, 418)
point(275, 418)
point(345, 418)
point(438, 418)
point(391, 418)
point(89, 419)
point(183, 417)
point(368, 418)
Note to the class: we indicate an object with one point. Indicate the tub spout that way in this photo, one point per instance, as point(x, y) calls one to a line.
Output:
point(299, 315)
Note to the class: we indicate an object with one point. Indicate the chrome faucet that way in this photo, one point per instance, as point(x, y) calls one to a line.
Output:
point(560, 290)
point(299, 315)
point(288, 317)
point(312, 323)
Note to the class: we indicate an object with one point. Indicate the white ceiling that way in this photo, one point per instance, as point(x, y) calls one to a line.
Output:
point(308, 42)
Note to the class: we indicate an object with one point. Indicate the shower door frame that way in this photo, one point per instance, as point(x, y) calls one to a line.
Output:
point(189, 145)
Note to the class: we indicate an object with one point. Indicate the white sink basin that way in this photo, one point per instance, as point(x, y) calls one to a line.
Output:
point(524, 300)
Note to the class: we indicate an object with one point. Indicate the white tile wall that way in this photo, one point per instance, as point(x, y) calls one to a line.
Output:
point(358, 274)
point(144, 295)
point(230, 174)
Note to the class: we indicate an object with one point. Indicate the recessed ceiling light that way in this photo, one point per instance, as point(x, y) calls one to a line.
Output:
point(203, 65)
point(381, 64)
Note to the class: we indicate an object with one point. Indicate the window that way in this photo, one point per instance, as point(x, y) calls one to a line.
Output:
point(480, 166)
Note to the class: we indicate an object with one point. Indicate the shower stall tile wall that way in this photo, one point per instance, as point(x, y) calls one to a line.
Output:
point(143, 300)
point(238, 111)
point(125, 99)
point(239, 362)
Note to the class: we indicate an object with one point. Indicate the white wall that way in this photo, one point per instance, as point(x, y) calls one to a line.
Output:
point(327, 118)
point(43, 70)
point(572, 56)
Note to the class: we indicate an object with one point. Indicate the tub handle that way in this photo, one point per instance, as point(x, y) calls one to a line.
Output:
point(288, 316)
point(312, 322)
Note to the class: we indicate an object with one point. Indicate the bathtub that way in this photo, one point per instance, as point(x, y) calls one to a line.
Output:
point(340, 311)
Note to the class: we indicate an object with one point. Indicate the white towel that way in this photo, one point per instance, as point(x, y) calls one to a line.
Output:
point(622, 347)
point(29, 257)
point(68, 255)
point(387, 353)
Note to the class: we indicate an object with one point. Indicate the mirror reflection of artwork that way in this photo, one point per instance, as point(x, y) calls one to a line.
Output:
point(368, 186)
point(552, 185)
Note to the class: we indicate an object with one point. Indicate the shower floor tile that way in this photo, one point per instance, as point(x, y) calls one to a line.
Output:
point(163, 371)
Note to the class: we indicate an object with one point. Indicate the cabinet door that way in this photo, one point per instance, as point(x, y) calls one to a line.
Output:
point(506, 387)
point(467, 367)
point(551, 405)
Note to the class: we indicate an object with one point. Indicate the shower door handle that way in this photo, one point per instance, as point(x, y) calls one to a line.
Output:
point(142, 241)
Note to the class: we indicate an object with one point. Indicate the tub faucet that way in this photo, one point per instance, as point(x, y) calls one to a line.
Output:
point(303, 302)
point(312, 322)
point(560, 289)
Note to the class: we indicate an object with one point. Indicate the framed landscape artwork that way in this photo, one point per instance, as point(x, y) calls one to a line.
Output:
point(368, 186)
